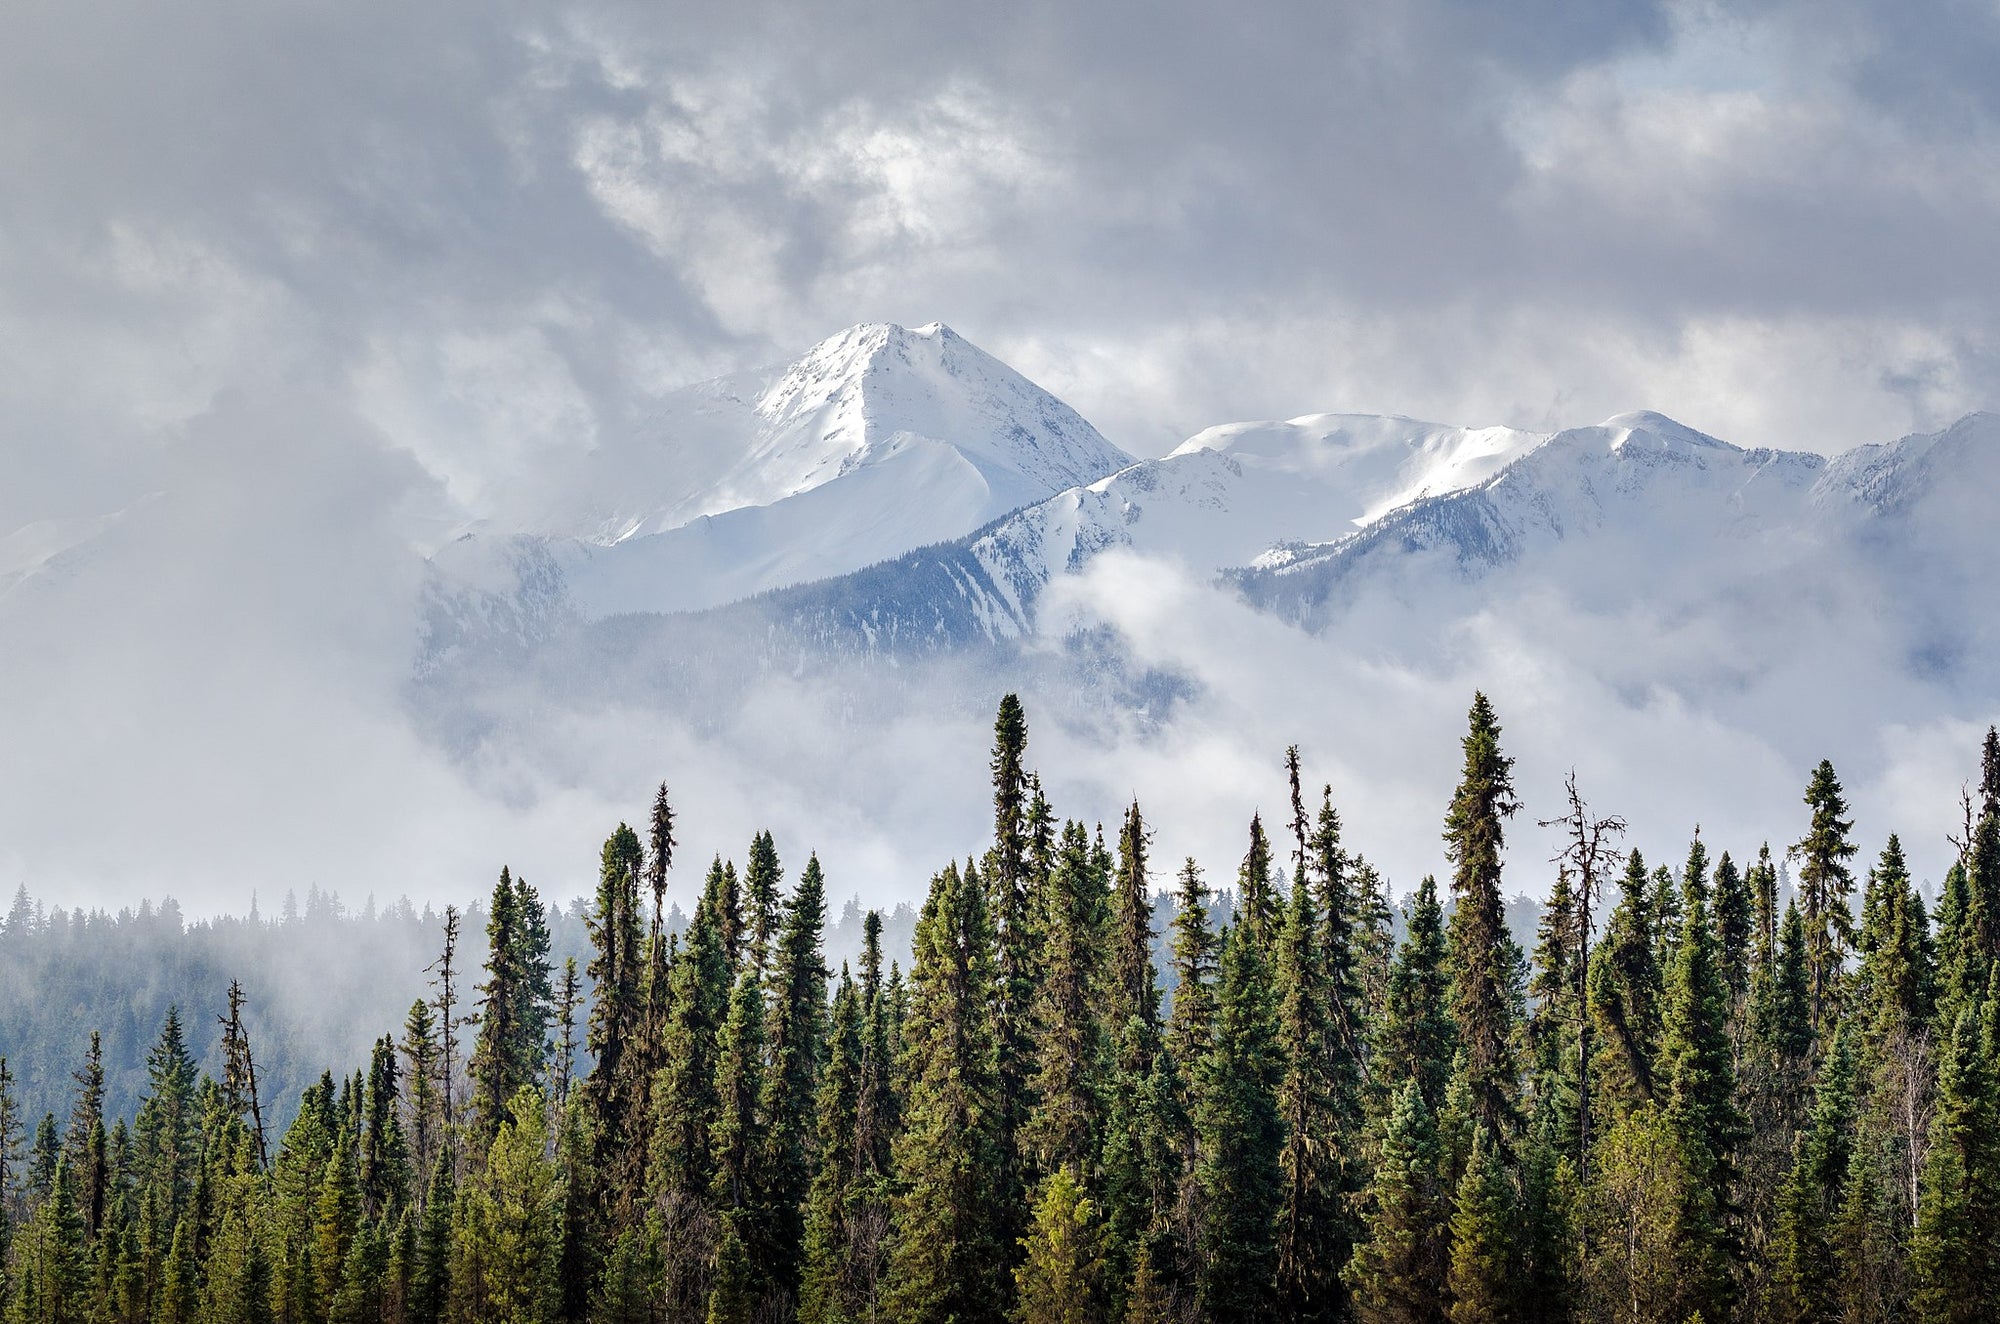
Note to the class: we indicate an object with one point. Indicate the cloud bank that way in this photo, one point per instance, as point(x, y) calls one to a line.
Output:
point(289, 291)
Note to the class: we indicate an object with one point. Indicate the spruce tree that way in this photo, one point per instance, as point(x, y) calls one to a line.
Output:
point(1143, 1128)
point(1191, 1024)
point(1955, 1251)
point(169, 1124)
point(794, 1044)
point(613, 1093)
point(1700, 1094)
point(1312, 1234)
point(1484, 957)
point(1805, 1275)
point(1069, 1057)
point(683, 1097)
point(828, 1290)
point(947, 1260)
point(511, 1223)
point(1735, 931)
point(494, 1068)
point(1240, 1135)
point(336, 1219)
point(1418, 1041)
point(1259, 908)
point(422, 1100)
point(1398, 1272)
point(763, 885)
point(1016, 864)
point(84, 1142)
point(1825, 882)
point(1484, 1239)
point(1627, 990)
point(739, 1186)
point(1060, 1279)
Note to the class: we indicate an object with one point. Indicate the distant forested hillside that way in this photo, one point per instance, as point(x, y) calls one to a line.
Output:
point(321, 980)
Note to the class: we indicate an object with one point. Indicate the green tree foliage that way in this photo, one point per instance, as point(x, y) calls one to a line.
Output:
point(1418, 1040)
point(514, 1005)
point(1700, 1093)
point(1060, 1279)
point(1825, 883)
point(791, 1081)
point(1240, 1135)
point(1485, 1243)
point(1799, 1116)
point(947, 1260)
point(1956, 1246)
point(1627, 993)
point(614, 1092)
point(1484, 958)
point(1398, 1273)
point(1312, 1233)
point(1070, 1058)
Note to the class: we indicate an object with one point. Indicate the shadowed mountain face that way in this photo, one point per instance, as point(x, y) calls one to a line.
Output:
point(1305, 519)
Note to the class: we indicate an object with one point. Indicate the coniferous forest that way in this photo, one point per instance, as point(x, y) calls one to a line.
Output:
point(1702, 1095)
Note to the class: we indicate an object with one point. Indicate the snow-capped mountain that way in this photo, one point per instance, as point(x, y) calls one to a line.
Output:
point(878, 440)
point(1641, 503)
point(1230, 493)
point(1728, 560)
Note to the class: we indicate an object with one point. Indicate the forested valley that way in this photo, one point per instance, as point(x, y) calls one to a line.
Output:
point(1699, 1093)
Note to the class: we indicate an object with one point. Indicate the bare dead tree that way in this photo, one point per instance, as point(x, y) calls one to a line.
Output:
point(1589, 854)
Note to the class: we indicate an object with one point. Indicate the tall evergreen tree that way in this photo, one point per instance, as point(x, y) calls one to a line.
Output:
point(1804, 1273)
point(1627, 989)
point(613, 1094)
point(1311, 1232)
point(1825, 882)
point(1955, 1250)
point(1700, 1093)
point(1240, 1135)
point(739, 1186)
point(832, 1282)
point(1016, 862)
point(1070, 1052)
point(1060, 1280)
point(1196, 948)
point(169, 1122)
point(1143, 1128)
point(1484, 957)
point(1735, 931)
point(1398, 1273)
point(763, 886)
point(1484, 1240)
point(683, 1097)
point(1259, 907)
point(947, 1260)
point(796, 1032)
point(1418, 1040)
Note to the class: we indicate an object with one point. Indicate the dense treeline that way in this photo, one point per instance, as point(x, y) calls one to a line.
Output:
point(1696, 1098)
point(322, 978)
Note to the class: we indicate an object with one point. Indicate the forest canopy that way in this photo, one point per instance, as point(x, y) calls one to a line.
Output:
point(1103, 1087)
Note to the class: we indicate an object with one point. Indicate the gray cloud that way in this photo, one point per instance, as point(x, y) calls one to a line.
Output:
point(295, 265)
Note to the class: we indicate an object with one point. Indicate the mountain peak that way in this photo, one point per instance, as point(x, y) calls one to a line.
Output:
point(1649, 430)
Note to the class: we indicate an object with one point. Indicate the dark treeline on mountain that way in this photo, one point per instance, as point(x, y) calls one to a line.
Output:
point(321, 981)
point(1694, 1098)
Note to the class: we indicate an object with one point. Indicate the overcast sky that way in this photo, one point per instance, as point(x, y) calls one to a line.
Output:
point(496, 231)
point(335, 271)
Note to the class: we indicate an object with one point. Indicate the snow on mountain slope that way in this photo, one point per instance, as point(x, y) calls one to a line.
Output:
point(877, 441)
point(1642, 480)
point(1229, 493)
